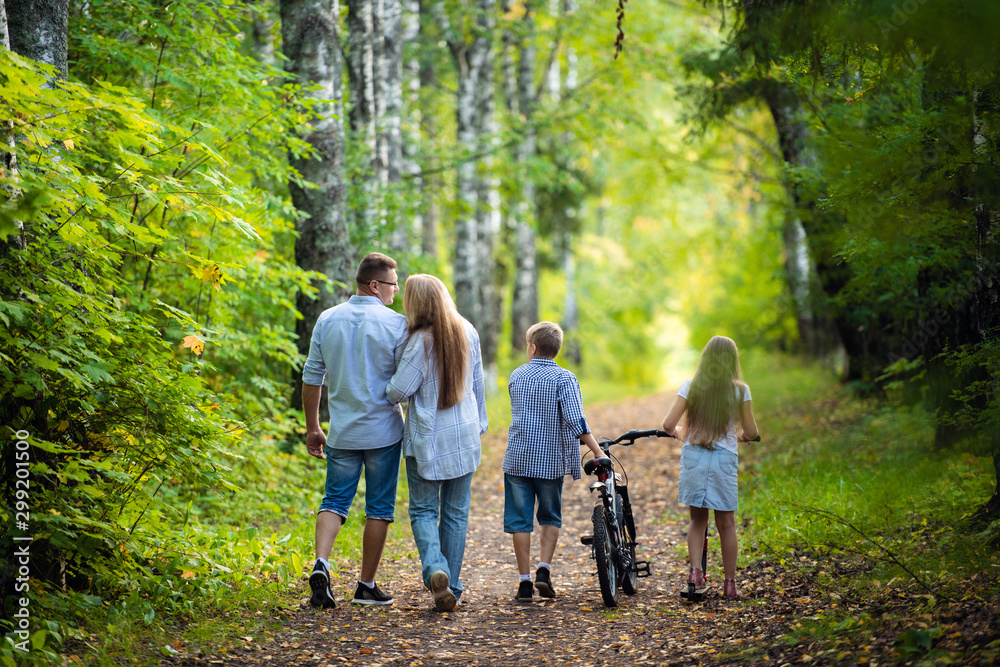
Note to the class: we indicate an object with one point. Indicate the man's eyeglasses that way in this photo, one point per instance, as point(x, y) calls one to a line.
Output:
point(384, 282)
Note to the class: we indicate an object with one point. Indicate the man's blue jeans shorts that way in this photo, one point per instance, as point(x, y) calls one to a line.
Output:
point(343, 472)
point(519, 494)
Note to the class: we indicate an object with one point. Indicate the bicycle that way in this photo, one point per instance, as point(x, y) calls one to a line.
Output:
point(614, 539)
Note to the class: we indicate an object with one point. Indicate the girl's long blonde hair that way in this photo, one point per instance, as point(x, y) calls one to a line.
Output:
point(714, 398)
point(429, 307)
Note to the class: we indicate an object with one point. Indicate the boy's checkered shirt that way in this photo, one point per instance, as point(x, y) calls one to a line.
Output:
point(547, 421)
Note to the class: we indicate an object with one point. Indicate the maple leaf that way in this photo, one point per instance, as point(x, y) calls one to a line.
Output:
point(196, 344)
point(213, 274)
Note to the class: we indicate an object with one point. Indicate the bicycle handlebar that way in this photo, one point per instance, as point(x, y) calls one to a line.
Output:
point(633, 435)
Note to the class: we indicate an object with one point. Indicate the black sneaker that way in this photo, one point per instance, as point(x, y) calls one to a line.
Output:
point(525, 591)
point(319, 581)
point(366, 595)
point(543, 582)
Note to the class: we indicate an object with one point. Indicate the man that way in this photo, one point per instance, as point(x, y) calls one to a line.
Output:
point(355, 347)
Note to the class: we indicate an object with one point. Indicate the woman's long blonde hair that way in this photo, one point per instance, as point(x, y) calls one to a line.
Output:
point(429, 307)
point(715, 393)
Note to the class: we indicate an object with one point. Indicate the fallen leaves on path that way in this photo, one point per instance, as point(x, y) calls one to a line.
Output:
point(490, 628)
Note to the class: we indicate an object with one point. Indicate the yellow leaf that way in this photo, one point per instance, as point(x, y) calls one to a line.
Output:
point(68, 143)
point(196, 344)
point(213, 274)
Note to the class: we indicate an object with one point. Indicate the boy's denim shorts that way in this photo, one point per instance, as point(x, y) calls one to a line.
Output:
point(708, 478)
point(519, 502)
point(343, 472)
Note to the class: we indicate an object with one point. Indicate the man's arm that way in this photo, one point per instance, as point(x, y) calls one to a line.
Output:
point(315, 438)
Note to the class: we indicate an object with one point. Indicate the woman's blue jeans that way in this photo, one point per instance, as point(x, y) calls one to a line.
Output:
point(439, 519)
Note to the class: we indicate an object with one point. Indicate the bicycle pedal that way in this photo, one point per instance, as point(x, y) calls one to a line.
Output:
point(642, 569)
point(587, 539)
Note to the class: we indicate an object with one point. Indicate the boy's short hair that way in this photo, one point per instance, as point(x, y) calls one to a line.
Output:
point(547, 337)
point(373, 267)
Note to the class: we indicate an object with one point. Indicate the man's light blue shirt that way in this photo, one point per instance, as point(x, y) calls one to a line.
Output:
point(355, 348)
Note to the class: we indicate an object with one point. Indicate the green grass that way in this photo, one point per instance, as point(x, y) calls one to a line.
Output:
point(851, 475)
point(859, 487)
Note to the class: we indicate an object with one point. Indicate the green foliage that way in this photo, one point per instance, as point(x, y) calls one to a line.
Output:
point(886, 121)
point(147, 304)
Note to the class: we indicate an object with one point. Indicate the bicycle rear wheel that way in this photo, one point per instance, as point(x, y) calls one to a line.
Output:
point(607, 571)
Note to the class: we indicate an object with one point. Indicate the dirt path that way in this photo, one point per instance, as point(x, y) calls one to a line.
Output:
point(490, 628)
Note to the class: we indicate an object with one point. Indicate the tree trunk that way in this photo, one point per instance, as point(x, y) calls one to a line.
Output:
point(8, 158)
point(573, 353)
point(830, 331)
point(471, 57)
point(4, 29)
point(797, 278)
point(986, 296)
point(392, 125)
point(36, 29)
point(39, 29)
point(428, 203)
point(263, 32)
point(524, 307)
point(310, 43)
point(488, 206)
point(364, 110)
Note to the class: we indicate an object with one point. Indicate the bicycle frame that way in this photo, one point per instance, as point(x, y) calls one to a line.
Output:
point(611, 487)
point(615, 523)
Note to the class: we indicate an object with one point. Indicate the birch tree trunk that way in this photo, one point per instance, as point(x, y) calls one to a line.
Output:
point(524, 308)
point(36, 29)
point(39, 29)
point(263, 32)
point(423, 66)
point(470, 57)
point(8, 158)
point(825, 275)
point(392, 122)
point(488, 207)
point(380, 85)
point(311, 46)
point(571, 321)
point(364, 114)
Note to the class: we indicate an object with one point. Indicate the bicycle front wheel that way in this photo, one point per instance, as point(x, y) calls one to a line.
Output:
point(604, 553)
point(630, 576)
point(626, 550)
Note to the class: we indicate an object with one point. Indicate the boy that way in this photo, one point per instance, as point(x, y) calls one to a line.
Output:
point(543, 446)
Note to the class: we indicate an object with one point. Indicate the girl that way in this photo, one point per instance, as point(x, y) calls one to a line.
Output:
point(716, 401)
point(441, 375)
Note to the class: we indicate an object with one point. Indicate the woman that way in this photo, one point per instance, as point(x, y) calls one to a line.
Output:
point(441, 375)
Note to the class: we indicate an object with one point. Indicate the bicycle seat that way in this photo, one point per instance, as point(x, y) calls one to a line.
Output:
point(593, 464)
